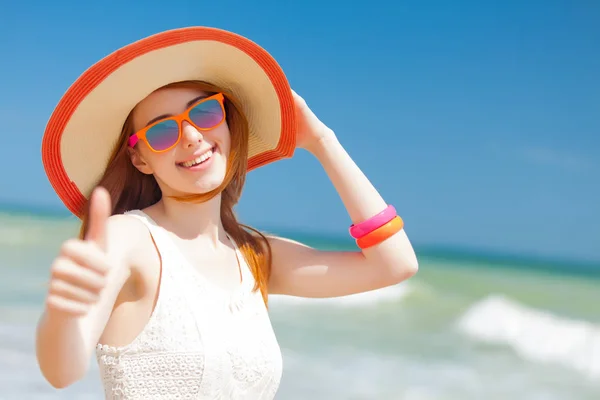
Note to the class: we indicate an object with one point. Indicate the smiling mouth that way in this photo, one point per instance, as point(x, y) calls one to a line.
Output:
point(200, 159)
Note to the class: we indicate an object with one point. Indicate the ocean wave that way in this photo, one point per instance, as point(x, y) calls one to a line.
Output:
point(18, 236)
point(535, 335)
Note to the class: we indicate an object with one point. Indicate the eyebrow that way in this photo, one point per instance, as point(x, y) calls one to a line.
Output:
point(189, 104)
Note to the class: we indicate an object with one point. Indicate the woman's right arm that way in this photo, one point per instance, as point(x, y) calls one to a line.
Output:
point(86, 278)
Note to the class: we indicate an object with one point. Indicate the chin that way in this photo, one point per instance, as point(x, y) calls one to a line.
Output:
point(210, 181)
point(205, 187)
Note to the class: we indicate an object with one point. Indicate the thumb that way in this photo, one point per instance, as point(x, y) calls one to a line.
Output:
point(100, 210)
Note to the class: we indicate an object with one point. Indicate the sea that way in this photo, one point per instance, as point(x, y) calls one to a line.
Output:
point(466, 327)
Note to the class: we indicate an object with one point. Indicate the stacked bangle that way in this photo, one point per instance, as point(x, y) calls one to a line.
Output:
point(377, 228)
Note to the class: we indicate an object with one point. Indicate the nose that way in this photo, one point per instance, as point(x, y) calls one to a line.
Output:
point(190, 135)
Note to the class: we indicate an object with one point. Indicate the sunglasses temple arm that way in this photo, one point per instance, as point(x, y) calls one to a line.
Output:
point(132, 140)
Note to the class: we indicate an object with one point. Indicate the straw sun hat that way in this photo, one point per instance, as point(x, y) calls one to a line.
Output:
point(87, 121)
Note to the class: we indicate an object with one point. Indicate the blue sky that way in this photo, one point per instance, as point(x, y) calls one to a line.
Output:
point(477, 120)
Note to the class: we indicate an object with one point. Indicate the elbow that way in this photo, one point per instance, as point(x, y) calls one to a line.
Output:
point(411, 264)
point(403, 260)
point(412, 268)
point(60, 380)
point(404, 269)
point(59, 383)
point(60, 373)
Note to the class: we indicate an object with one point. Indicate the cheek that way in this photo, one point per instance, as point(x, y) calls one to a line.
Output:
point(223, 136)
point(227, 145)
point(227, 135)
point(157, 161)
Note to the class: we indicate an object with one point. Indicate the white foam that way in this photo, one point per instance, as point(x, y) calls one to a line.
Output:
point(535, 335)
point(28, 231)
point(374, 297)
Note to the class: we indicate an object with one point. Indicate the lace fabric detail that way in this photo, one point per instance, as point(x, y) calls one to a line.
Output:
point(152, 376)
point(199, 343)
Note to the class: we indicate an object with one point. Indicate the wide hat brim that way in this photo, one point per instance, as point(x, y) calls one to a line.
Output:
point(85, 125)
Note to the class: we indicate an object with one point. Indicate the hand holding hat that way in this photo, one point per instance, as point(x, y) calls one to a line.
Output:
point(309, 128)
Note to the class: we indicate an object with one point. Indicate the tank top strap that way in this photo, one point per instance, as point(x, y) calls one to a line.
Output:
point(167, 247)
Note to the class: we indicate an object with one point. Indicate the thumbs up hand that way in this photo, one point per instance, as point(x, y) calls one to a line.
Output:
point(79, 272)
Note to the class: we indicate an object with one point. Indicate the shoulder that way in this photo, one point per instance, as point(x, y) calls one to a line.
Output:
point(129, 238)
point(124, 230)
point(125, 222)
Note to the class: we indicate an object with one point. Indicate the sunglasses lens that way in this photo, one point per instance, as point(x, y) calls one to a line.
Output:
point(207, 114)
point(163, 135)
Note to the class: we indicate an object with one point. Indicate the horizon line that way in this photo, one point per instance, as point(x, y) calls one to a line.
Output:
point(431, 250)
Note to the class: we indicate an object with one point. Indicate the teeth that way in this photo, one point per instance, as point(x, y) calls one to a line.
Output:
point(198, 160)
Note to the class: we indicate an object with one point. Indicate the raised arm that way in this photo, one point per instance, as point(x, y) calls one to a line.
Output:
point(303, 271)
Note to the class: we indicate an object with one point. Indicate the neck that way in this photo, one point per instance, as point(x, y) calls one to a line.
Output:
point(193, 220)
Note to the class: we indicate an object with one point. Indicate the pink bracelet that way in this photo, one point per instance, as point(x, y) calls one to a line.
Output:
point(361, 229)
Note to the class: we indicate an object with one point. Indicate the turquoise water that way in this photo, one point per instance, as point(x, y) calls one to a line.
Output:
point(463, 328)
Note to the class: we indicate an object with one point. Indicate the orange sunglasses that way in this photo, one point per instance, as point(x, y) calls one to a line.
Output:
point(164, 134)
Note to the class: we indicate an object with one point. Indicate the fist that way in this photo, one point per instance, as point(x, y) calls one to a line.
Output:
point(78, 274)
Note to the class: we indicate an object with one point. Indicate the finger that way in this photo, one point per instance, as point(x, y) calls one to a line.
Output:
point(85, 255)
point(70, 307)
point(100, 210)
point(72, 292)
point(67, 270)
point(298, 99)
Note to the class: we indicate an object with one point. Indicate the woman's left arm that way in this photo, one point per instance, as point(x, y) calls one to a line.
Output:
point(300, 270)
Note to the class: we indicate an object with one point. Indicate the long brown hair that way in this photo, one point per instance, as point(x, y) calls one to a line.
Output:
point(130, 189)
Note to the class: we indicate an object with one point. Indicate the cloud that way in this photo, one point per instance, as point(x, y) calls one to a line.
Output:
point(555, 158)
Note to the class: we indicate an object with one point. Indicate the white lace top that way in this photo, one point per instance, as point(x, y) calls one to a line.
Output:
point(200, 342)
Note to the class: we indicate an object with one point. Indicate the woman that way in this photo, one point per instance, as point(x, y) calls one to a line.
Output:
point(150, 147)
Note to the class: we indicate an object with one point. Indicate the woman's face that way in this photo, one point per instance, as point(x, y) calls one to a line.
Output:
point(198, 162)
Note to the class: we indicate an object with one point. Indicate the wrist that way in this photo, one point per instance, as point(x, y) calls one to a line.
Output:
point(52, 317)
point(324, 146)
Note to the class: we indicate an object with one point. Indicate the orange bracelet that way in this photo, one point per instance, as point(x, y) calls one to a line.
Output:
point(380, 234)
